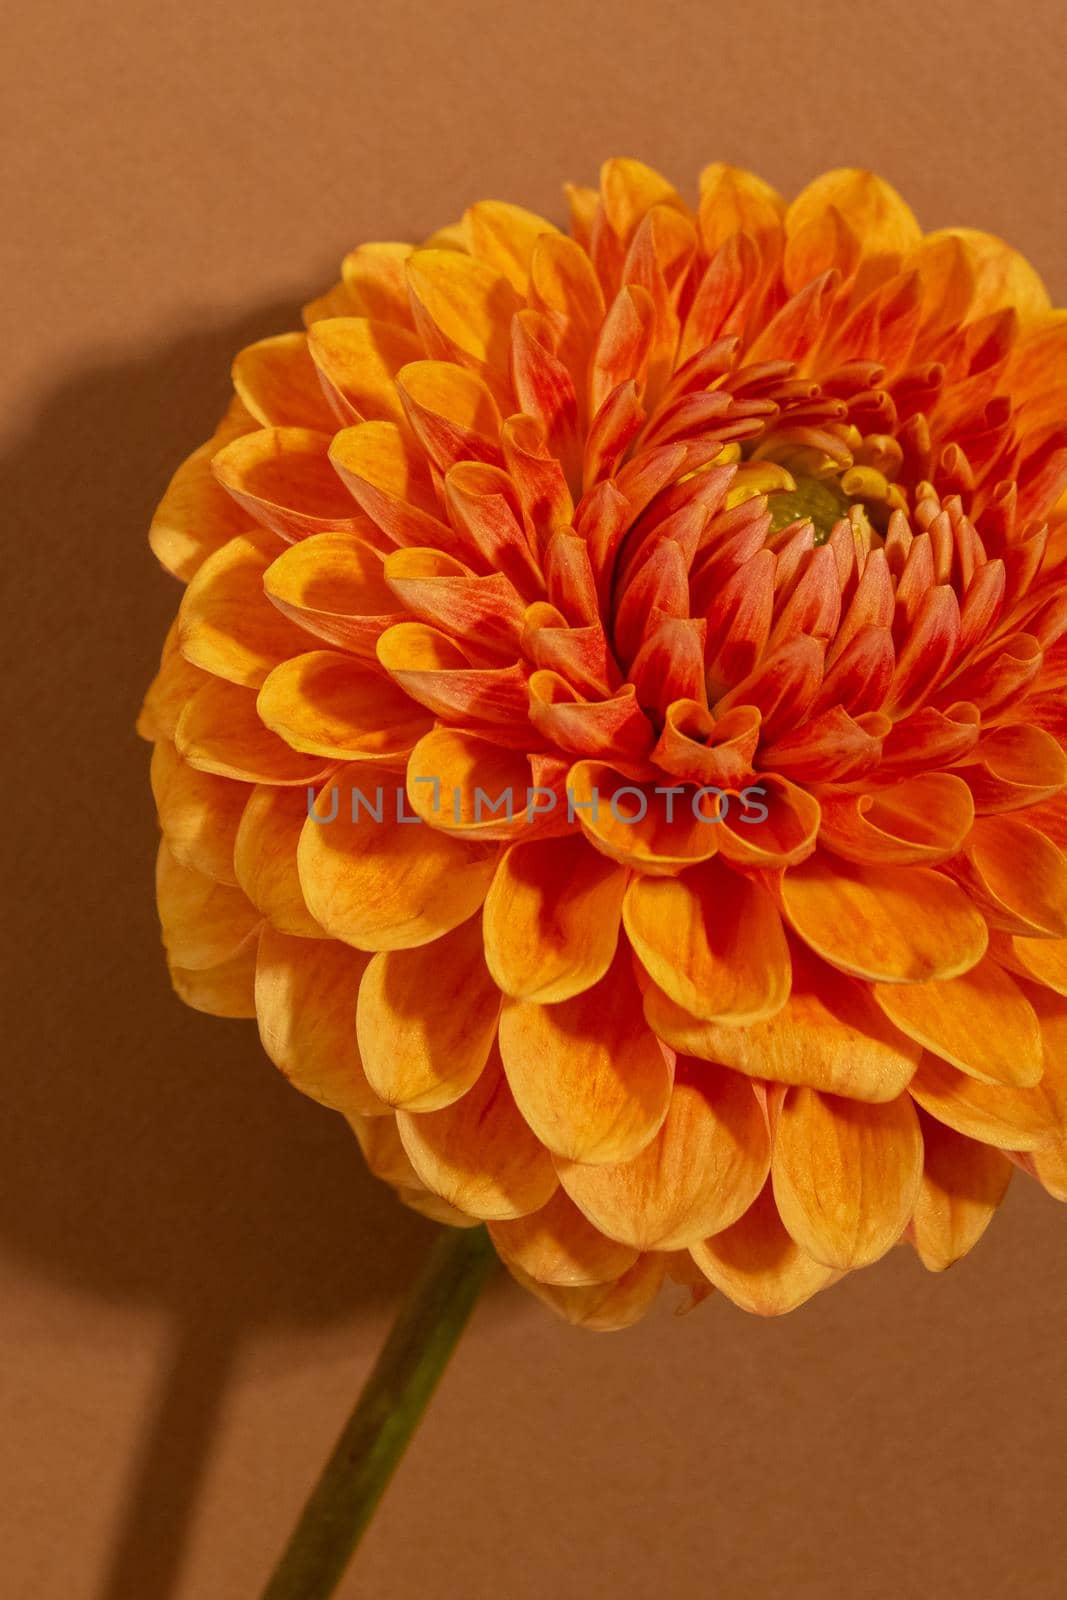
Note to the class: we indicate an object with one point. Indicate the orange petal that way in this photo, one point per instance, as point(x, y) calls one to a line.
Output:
point(829, 1035)
point(434, 670)
point(463, 307)
point(1050, 1162)
point(846, 1174)
point(226, 624)
point(333, 586)
point(1002, 277)
point(265, 858)
point(712, 941)
point(277, 381)
point(874, 212)
point(504, 237)
point(732, 201)
point(196, 516)
point(199, 813)
point(359, 360)
point(703, 1169)
point(758, 1266)
point(980, 1021)
point(389, 478)
point(306, 1005)
point(963, 1183)
point(1010, 1119)
point(381, 884)
point(284, 480)
point(557, 1245)
point(1044, 960)
point(478, 1153)
point(895, 925)
point(451, 411)
point(1019, 877)
point(220, 731)
point(204, 923)
point(225, 990)
point(330, 705)
point(1014, 767)
point(376, 281)
point(170, 690)
point(924, 819)
point(552, 919)
point(602, 1307)
point(470, 787)
point(588, 1076)
point(655, 829)
point(426, 1020)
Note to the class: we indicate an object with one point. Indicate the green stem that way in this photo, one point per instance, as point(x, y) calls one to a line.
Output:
point(386, 1415)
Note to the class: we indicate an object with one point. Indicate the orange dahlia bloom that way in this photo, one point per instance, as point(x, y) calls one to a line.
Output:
point(664, 621)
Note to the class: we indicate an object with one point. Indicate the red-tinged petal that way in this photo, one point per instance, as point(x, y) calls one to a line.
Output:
point(327, 704)
point(712, 941)
point(265, 858)
point(1014, 767)
point(220, 731)
point(438, 589)
point(782, 686)
point(846, 1174)
point(284, 480)
point(225, 990)
point(923, 819)
point(426, 1025)
point(587, 1075)
point(758, 1266)
point(705, 750)
point(888, 924)
point(659, 829)
point(383, 884)
point(981, 1022)
point(538, 478)
point(659, 588)
point(358, 360)
point(833, 747)
point(204, 923)
point(928, 652)
point(578, 655)
point(333, 586)
point(963, 1183)
point(1018, 876)
point(306, 1006)
point(628, 190)
point(391, 482)
point(451, 412)
point(776, 824)
point(552, 919)
point(435, 671)
point(611, 432)
point(478, 1153)
point(463, 307)
point(602, 1307)
point(931, 738)
point(546, 391)
point(564, 285)
point(829, 1035)
point(557, 1245)
point(277, 381)
point(669, 667)
point(474, 788)
point(226, 624)
point(614, 726)
point(196, 516)
point(623, 345)
point(1007, 1118)
point(700, 1173)
point(487, 518)
point(199, 813)
point(504, 237)
point(821, 241)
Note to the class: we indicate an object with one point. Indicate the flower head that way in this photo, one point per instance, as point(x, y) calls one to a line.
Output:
point(666, 620)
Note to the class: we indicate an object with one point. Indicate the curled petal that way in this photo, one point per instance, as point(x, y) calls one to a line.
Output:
point(435, 671)
point(1014, 767)
point(924, 819)
point(1018, 876)
point(359, 360)
point(657, 828)
point(284, 480)
point(473, 788)
point(221, 731)
point(463, 307)
point(277, 381)
point(390, 480)
point(333, 586)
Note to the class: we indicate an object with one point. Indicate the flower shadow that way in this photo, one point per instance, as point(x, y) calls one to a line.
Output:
point(153, 1155)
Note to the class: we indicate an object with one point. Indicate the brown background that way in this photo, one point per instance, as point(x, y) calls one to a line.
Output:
point(196, 1269)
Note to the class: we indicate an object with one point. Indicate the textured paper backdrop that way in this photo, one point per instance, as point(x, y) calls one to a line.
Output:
point(196, 1270)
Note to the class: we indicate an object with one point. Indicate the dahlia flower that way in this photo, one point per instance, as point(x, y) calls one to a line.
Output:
point(612, 736)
